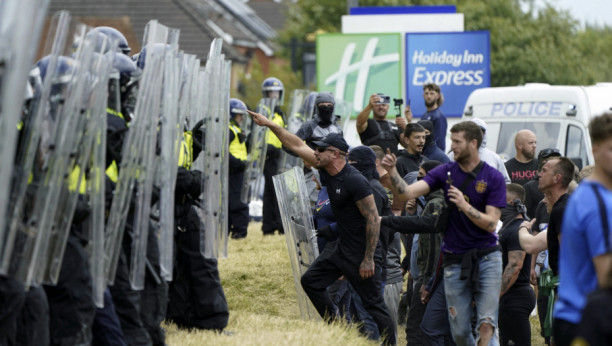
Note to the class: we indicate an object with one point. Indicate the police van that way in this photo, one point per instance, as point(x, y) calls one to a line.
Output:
point(558, 115)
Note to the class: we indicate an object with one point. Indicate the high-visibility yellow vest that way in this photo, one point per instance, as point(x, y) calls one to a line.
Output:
point(186, 151)
point(236, 148)
point(270, 136)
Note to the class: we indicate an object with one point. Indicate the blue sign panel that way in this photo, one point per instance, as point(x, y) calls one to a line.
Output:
point(458, 62)
point(367, 10)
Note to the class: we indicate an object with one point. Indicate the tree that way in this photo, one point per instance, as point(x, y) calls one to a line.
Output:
point(528, 44)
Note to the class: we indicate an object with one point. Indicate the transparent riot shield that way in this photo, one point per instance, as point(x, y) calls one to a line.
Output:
point(252, 186)
point(343, 111)
point(59, 113)
point(137, 168)
point(95, 177)
point(213, 236)
point(168, 160)
point(18, 43)
point(83, 115)
point(300, 111)
point(294, 206)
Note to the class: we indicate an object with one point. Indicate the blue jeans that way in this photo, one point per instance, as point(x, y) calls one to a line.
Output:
point(459, 298)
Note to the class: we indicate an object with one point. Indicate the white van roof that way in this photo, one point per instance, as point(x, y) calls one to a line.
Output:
point(534, 99)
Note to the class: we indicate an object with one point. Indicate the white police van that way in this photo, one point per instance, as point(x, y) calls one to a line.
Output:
point(558, 115)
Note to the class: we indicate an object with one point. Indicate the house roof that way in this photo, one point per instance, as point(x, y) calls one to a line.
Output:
point(195, 36)
point(274, 13)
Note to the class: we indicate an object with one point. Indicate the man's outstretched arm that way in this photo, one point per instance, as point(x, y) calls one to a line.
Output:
point(398, 186)
point(291, 141)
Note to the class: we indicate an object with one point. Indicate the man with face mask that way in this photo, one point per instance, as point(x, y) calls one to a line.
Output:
point(431, 150)
point(324, 121)
point(517, 298)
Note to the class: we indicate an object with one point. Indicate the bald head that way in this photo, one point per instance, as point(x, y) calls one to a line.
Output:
point(525, 144)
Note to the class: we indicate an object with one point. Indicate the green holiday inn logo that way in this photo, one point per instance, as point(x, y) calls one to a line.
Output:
point(354, 66)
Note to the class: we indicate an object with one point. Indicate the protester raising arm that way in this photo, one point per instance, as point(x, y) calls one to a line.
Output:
point(291, 141)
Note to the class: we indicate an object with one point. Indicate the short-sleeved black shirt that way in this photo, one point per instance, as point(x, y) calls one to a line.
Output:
point(509, 241)
point(382, 133)
point(344, 189)
point(520, 172)
point(554, 230)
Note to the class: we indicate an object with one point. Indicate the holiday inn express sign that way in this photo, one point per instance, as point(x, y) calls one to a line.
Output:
point(354, 66)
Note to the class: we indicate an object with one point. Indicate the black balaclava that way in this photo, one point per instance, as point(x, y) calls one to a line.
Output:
point(428, 125)
point(325, 113)
point(511, 211)
point(365, 161)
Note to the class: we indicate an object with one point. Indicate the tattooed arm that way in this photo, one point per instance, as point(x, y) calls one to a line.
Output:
point(511, 272)
point(400, 189)
point(367, 207)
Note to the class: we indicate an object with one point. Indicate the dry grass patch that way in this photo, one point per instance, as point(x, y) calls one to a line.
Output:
point(260, 291)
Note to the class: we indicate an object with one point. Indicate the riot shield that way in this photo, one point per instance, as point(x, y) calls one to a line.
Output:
point(135, 170)
point(252, 186)
point(213, 236)
point(18, 43)
point(58, 110)
point(96, 174)
point(300, 111)
point(159, 42)
point(83, 115)
point(294, 206)
point(168, 159)
point(343, 110)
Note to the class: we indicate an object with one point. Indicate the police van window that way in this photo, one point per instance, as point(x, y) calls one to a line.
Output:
point(575, 147)
point(546, 133)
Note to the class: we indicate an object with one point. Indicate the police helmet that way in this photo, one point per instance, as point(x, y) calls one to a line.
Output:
point(273, 84)
point(64, 68)
point(236, 107)
point(156, 48)
point(115, 34)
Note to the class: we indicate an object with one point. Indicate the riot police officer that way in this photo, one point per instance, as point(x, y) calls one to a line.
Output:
point(272, 88)
point(238, 211)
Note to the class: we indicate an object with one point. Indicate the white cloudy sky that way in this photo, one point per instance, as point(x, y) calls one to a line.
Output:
point(589, 11)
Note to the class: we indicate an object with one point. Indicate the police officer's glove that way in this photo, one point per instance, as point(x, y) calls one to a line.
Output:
point(198, 138)
point(81, 212)
point(196, 184)
point(325, 232)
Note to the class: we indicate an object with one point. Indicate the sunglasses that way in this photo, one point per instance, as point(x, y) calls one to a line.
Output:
point(324, 149)
point(546, 153)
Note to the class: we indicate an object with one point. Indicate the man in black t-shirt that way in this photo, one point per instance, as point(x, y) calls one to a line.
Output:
point(517, 298)
point(379, 131)
point(524, 166)
point(353, 205)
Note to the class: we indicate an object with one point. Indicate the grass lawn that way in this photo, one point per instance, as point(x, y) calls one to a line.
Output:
point(259, 287)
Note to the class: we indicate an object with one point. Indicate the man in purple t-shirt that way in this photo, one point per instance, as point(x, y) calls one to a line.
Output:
point(475, 192)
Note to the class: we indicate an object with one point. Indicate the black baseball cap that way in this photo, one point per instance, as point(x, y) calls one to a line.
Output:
point(549, 152)
point(333, 140)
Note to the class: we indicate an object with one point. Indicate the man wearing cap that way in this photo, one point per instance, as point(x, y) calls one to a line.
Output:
point(353, 205)
point(379, 131)
point(523, 167)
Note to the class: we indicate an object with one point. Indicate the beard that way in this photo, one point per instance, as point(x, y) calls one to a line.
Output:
point(430, 104)
point(529, 155)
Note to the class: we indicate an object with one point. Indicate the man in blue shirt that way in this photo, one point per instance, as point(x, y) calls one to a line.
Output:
point(433, 101)
point(585, 257)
